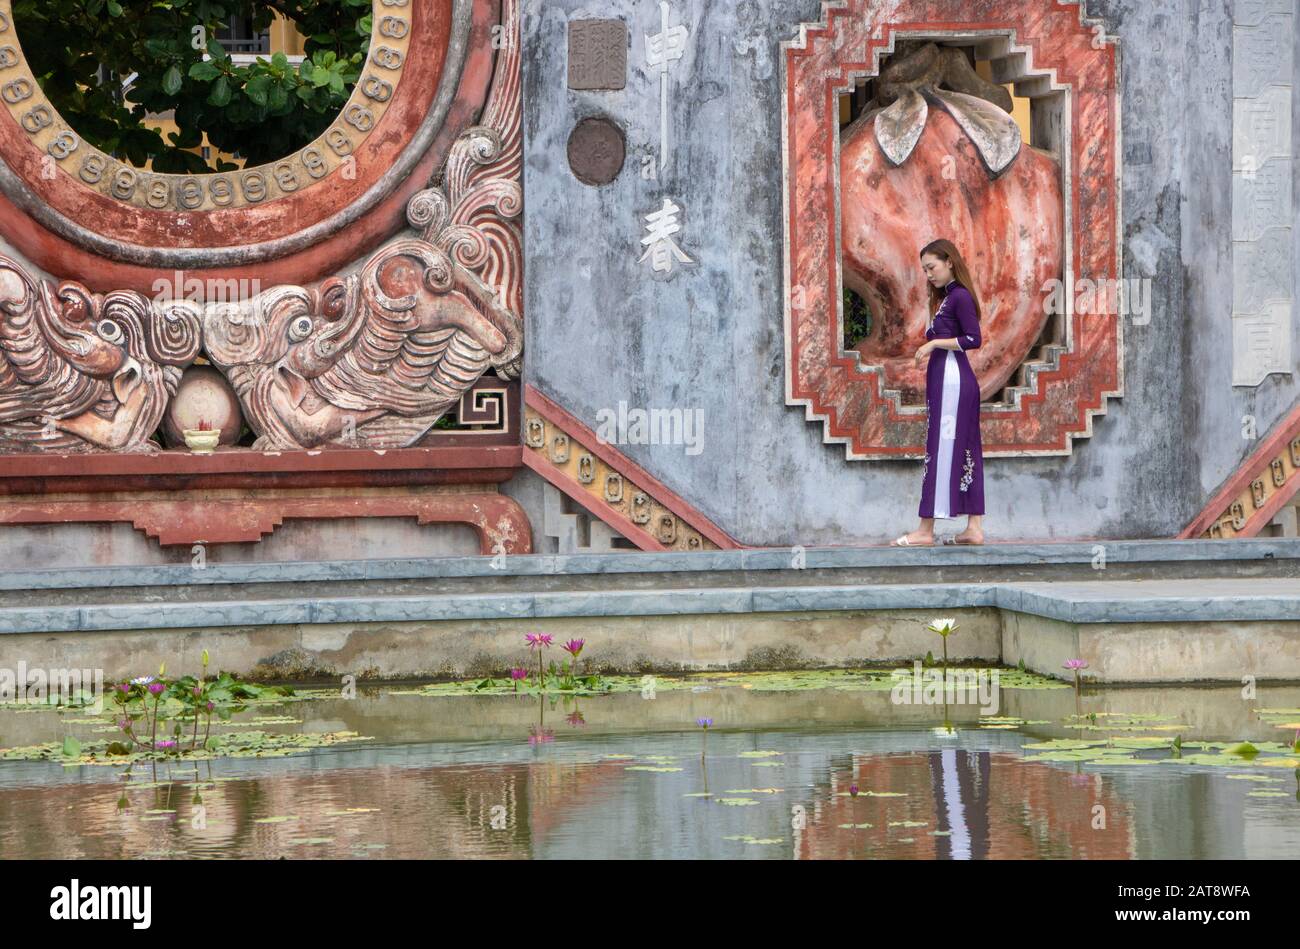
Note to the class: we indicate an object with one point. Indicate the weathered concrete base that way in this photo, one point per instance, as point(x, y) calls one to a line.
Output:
point(469, 649)
point(1157, 613)
point(1138, 652)
point(1161, 652)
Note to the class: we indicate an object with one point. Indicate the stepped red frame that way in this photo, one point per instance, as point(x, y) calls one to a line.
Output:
point(823, 62)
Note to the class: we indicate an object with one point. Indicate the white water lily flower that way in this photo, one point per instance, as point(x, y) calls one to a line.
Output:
point(942, 626)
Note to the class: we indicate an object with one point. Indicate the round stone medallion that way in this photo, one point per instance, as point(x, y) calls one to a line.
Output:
point(597, 150)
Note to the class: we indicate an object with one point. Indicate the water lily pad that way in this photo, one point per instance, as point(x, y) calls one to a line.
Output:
point(275, 820)
point(856, 826)
point(758, 754)
point(908, 823)
point(1064, 744)
point(758, 841)
point(736, 801)
point(646, 767)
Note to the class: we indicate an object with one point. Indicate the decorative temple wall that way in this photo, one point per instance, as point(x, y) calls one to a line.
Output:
point(704, 330)
point(643, 209)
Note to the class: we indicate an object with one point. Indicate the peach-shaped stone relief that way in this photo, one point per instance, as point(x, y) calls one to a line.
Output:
point(936, 154)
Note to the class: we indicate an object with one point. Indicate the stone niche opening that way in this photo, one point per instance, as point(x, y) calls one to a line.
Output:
point(1045, 369)
point(1040, 110)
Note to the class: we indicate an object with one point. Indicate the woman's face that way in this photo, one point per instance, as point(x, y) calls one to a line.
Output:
point(937, 270)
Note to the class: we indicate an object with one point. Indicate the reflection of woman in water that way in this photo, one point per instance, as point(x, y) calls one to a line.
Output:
point(953, 481)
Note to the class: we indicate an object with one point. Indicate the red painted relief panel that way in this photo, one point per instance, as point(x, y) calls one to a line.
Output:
point(840, 192)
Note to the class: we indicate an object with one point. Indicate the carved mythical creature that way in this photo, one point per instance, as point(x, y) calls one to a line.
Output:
point(370, 360)
point(82, 370)
point(376, 358)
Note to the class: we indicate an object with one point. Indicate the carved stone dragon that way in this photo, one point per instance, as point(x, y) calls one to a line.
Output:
point(82, 370)
point(372, 358)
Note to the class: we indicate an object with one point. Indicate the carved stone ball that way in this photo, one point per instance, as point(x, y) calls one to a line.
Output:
point(204, 395)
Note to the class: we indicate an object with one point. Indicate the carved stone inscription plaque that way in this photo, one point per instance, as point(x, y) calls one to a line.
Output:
point(597, 54)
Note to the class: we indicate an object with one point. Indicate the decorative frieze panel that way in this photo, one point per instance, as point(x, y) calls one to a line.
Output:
point(1069, 68)
point(1264, 484)
point(570, 456)
point(298, 283)
point(1263, 205)
point(370, 359)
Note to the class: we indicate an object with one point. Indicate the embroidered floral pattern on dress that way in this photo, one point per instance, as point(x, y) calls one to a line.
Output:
point(926, 470)
point(968, 471)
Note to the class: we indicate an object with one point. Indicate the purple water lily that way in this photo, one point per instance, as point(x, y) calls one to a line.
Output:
point(853, 790)
point(538, 640)
point(704, 722)
point(574, 647)
point(1076, 666)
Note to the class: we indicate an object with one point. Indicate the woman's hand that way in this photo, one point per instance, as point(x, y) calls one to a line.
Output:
point(923, 352)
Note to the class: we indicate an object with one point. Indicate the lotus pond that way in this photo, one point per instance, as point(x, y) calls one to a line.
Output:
point(756, 765)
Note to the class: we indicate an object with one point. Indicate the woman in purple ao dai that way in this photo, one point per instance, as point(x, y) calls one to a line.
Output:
point(952, 483)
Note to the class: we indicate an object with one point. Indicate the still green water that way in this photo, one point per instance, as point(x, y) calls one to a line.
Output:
point(633, 776)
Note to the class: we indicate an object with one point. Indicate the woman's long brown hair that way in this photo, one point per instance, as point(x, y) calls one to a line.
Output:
point(947, 251)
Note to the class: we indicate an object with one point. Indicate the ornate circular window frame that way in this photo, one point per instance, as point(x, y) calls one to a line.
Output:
point(1064, 52)
point(112, 226)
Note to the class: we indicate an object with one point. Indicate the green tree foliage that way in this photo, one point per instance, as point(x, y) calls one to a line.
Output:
point(108, 64)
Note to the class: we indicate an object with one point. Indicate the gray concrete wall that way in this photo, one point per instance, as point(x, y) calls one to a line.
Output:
point(52, 546)
point(604, 330)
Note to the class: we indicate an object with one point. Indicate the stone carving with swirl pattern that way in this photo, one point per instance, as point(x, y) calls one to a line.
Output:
point(373, 358)
point(82, 370)
point(376, 358)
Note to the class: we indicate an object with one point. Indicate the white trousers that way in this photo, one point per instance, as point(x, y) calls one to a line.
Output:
point(947, 436)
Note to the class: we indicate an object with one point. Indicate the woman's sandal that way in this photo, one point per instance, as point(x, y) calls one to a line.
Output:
point(904, 542)
point(954, 542)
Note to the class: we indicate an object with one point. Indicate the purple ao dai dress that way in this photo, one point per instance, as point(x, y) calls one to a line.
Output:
point(952, 484)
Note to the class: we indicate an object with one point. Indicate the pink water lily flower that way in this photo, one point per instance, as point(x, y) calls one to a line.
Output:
point(1075, 664)
point(537, 640)
point(574, 647)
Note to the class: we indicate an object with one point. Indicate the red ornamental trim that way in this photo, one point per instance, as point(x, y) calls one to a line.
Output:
point(354, 211)
point(502, 525)
point(630, 470)
point(1279, 452)
point(849, 398)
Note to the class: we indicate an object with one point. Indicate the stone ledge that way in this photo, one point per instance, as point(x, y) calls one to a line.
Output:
point(1096, 602)
point(755, 559)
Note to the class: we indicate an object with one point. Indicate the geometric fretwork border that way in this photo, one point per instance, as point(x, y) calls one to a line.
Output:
point(1053, 49)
